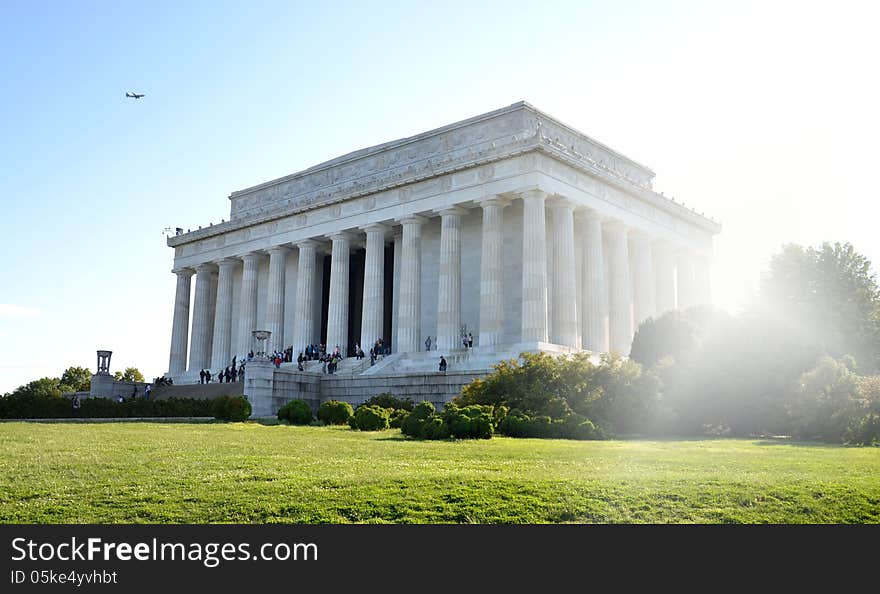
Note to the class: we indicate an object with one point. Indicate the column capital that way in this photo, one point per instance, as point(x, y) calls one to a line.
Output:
point(615, 226)
point(493, 200)
point(205, 267)
point(588, 214)
point(278, 249)
point(250, 257)
point(340, 236)
point(226, 263)
point(451, 211)
point(412, 220)
point(307, 243)
point(533, 193)
point(374, 228)
point(184, 272)
point(640, 236)
point(559, 202)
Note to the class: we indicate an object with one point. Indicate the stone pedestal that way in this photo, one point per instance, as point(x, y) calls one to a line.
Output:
point(258, 381)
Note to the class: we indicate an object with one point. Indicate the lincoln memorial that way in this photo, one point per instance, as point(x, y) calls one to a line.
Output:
point(509, 226)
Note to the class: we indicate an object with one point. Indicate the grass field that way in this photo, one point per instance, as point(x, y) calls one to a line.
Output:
point(247, 472)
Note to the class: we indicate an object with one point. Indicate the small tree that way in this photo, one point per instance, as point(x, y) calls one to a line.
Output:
point(131, 374)
point(334, 412)
point(296, 412)
point(76, 379)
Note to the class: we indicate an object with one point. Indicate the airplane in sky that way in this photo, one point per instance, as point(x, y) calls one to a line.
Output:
point(134, 95)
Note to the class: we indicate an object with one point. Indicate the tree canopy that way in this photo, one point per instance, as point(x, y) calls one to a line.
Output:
point(131, 374)
point(831, 293)
point(76, 379)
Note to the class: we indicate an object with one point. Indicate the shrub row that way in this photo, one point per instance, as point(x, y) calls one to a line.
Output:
point(468, 422)
point(571, 426)
point(52, 407)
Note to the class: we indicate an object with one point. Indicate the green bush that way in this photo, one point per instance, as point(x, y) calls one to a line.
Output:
point(473, 421)
point(296, 412)
point(334, 412)
point(397, 418)
point(864, 431)
point(572, 426)
point(386, 400)
point(232, 408)
point(371, 418)
point(434, 428)
point(412, 424)
point(616, 392)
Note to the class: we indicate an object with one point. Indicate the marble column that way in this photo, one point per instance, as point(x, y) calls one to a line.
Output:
point(337, 308)
point(449, 280)
point(684, 272)
point(395, 296)
point(564, 275)
point(203, 315)
point(247, 311)
point(620, 306)
point(664, 271)
point(275, 298)
point(220, 351)
point(373, 309)
point(492, 272)
point(304, 322)
point(410, 307)
point(180, 323)
point(534, 262)
point(644, 281)
point(594, 291)
point(702, 283)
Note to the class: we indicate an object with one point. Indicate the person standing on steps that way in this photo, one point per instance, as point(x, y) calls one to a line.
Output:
point(442, 364)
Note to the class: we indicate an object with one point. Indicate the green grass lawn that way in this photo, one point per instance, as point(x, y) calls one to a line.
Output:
point(247, 472)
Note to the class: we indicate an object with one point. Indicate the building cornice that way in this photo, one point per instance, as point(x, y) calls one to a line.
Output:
point(483, 139)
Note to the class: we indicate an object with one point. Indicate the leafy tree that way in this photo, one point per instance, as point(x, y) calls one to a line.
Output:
point(831, 292)
point(76, 379)
point(41, 388)
point(675, 334)
point(617, 393)
point(131, 374)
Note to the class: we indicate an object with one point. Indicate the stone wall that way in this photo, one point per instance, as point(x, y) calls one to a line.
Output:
point(268, 388)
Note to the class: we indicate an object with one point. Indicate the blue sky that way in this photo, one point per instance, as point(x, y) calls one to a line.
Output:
point(762, 115)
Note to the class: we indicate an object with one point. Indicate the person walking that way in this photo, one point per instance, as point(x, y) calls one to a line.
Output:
point(428, 343)
point(147, 389)
point(75, 404)
point(442, 364)
point(202, 376)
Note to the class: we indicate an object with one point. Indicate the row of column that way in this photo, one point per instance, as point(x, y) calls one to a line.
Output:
point(643, 279)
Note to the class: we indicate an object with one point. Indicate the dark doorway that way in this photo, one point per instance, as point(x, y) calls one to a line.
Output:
point(325, 296)
point(356, 266)
point(388, 294)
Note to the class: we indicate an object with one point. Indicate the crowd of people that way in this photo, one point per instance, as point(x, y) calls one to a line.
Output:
point(313, 352)
point(232, 373)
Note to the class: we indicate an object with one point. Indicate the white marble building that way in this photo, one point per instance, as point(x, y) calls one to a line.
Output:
point(524, 230)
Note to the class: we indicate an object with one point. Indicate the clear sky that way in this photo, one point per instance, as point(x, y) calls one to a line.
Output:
point(763, 115)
